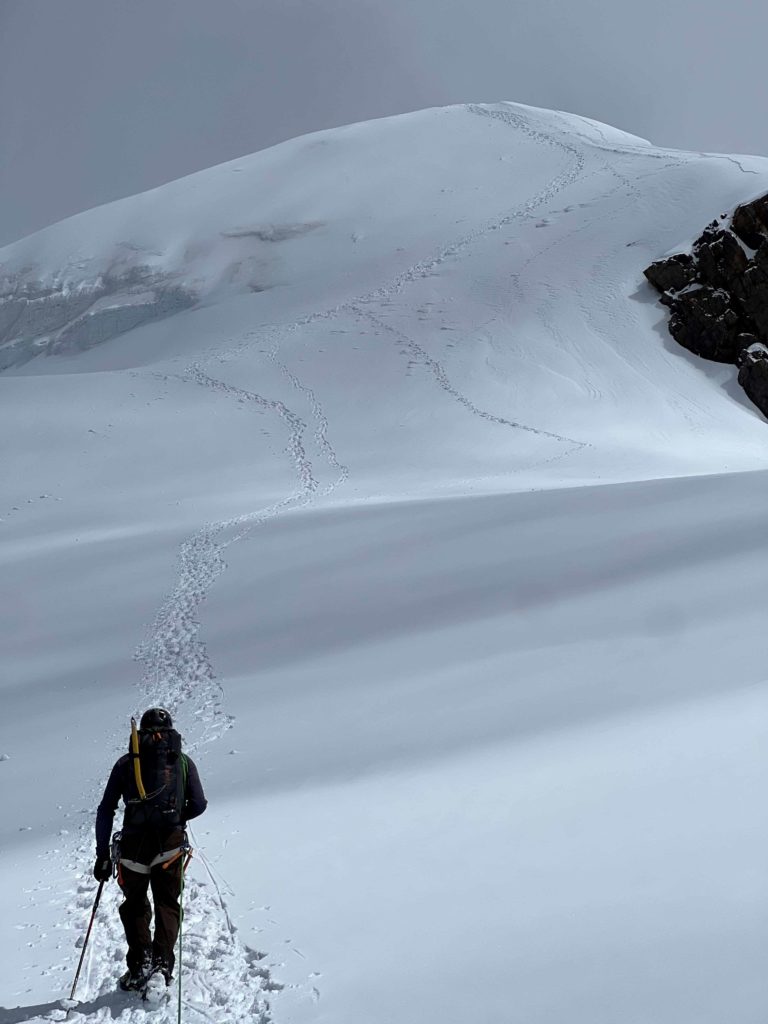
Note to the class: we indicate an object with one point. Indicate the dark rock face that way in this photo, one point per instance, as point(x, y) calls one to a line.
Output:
point(704, 322)
point(753, 375)
point(672, 274)
point(747, 342)
point(40, 319)
point(750, 222)
point(720, 260)
point(718, 295)
point(752, 290)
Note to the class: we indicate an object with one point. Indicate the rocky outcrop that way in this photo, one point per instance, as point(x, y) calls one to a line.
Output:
point(750, 222)
point(718, 295)
point(704, 321)
point(672, 274)
point(38, 318)
point(751, 290)
point(719, 258)
point(753, 374)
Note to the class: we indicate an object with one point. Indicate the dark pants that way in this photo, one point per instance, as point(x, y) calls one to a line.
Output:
point(135, 910)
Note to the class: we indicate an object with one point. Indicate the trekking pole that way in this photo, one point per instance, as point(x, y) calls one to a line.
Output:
point(181, 913)
point(181, 931)
point(87, 936)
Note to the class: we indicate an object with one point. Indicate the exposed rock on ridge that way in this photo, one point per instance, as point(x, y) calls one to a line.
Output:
point(718, 295)
point(38, 317)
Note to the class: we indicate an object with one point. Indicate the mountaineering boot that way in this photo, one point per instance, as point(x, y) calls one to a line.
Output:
point(160, 966)
point(135, 978)
point(132, 981)
point(156, 983)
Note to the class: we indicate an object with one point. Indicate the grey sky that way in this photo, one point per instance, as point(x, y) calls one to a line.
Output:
point(103, 98)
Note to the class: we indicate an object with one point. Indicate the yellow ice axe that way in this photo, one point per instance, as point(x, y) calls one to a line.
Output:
point(136, 761)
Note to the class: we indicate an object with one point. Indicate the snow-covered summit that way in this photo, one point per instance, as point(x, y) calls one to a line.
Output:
point(399, 171)
point(460, 208)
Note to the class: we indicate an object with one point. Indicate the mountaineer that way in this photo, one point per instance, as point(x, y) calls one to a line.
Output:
point(161, 790)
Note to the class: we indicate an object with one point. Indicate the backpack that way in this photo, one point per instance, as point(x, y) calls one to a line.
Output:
point(160, 774)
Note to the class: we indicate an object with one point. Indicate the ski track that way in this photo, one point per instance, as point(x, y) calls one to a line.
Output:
point(224, 980)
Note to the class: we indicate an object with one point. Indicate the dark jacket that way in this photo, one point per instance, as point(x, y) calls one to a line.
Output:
point(122, 784)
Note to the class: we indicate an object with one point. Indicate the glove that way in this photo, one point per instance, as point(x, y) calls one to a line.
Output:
point(102, 869)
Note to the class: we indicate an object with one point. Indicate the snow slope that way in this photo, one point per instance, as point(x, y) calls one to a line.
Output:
point(370, 457)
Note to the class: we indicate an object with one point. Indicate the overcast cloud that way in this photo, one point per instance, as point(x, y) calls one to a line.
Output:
point(103, 98)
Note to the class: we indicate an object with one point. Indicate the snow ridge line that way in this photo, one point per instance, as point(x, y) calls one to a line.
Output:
point(730, 159)
point(675, 157)
point(649, 151)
